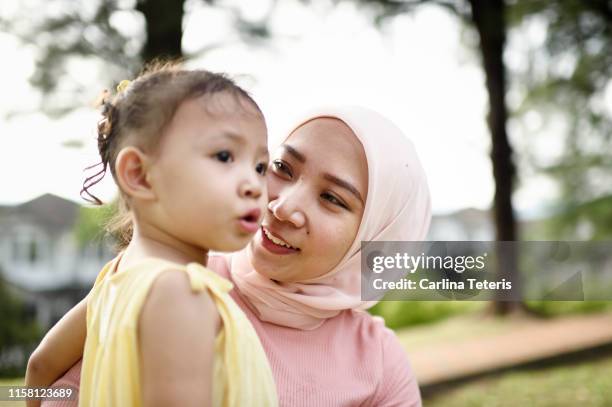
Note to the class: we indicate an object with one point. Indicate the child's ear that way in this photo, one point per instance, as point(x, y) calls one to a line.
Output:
point(131, 168)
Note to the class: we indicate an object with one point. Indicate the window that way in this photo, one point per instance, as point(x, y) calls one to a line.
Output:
point(33, 251)
point(15, 250)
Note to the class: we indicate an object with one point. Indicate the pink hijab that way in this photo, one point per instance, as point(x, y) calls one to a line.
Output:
point(397, 208)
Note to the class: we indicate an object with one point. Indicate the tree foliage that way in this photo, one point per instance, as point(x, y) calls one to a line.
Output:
point(92, 222)
point(70, 38)
point(110, 38)
point(568, 78)
point(18, 332)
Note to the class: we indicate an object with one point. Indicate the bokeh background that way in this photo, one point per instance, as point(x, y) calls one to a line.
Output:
point(509, 104)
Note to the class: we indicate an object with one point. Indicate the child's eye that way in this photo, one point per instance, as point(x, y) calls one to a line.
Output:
point(280, 166)
point(261, 168)
point(332, 199)
point(224, 156)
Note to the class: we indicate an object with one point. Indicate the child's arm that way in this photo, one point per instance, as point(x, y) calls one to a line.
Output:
point(59, 350)
point(177, 330)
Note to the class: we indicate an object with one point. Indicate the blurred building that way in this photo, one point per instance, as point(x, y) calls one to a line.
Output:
point(466, 224)
point(41, 259)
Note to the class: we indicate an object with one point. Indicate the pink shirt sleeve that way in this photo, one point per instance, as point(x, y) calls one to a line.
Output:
point(72, 378)
point(399, 386)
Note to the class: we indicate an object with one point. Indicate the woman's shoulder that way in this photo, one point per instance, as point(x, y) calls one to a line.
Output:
point(398, 385)
point(366, 332)
point(219, 263)
point(369, 325)
point(370, 333)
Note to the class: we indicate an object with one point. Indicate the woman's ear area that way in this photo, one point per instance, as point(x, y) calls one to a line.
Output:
point(132, 169)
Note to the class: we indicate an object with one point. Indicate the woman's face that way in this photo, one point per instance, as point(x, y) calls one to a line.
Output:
point(317, 186)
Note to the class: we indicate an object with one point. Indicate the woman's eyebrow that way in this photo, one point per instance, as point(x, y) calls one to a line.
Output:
point(296, 154)
point(344, 184)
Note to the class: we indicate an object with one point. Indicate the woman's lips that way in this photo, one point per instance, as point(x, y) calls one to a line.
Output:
point(273, 247)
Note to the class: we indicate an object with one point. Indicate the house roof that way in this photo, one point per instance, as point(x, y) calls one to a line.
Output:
point(48, 211)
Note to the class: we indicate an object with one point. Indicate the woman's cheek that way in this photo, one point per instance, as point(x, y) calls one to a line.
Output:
point(337, 233)
point(348, 232)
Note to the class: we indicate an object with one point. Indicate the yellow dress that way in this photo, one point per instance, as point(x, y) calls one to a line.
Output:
point(111, 374)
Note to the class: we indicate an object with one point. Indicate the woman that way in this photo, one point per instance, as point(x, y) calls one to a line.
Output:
point(343, 176)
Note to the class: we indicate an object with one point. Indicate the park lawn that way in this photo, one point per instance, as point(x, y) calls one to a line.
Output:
point(12, 382)
point(458, 328)
point(585, 384)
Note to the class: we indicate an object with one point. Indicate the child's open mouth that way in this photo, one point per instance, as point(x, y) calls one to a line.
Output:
point(250, 221)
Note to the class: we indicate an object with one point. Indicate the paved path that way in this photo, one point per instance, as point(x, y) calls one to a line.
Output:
point(528, 342)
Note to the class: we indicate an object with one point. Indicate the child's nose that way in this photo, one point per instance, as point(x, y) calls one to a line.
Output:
point(250, 189)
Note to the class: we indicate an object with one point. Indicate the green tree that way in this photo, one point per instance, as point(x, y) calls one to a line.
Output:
point(568, 77)
point(18, 333)
point(488, 18)
point(92, 222)
point(118, 36)
point(579, 31)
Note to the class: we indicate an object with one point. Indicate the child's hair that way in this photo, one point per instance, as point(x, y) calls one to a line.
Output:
point(139, 112)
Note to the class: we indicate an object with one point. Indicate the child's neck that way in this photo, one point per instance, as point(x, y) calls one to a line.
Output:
point(153, 243)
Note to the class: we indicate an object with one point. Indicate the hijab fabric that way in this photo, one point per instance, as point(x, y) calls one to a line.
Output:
point(397, 208)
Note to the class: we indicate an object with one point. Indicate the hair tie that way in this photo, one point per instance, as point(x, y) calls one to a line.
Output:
point(123, 85)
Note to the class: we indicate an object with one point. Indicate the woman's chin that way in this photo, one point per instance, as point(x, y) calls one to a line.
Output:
point(264, 262)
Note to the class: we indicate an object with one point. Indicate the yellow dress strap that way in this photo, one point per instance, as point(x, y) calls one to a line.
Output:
point(107, 269)
point(201, 277)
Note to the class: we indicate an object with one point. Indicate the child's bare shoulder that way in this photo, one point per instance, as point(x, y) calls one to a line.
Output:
point(171, 296)
point(171, 282)
point(176, 332)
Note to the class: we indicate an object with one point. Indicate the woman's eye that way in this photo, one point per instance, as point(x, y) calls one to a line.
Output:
point(261, 168)
point(224, 156)
point(279, 166)
point(332, 199)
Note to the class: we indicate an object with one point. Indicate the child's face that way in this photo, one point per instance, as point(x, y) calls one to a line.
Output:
point(208, 173)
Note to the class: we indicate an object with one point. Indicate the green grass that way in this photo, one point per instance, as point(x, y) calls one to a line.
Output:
point(12, 382)
point(559, 308)
point(400, 314)
point(456, 329)
point(586, 384)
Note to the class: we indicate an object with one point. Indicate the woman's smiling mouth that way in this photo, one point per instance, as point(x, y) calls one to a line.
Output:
point(275, 244)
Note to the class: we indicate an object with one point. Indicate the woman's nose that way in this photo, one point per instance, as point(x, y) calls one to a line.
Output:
point(285, 211)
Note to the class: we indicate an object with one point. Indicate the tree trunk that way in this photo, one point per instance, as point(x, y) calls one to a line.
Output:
point(164, 21)
point(489, 20)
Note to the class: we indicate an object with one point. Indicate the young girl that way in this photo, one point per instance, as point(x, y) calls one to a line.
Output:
point(188, 152)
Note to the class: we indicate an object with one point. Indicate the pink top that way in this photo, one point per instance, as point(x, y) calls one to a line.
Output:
point(352, 359)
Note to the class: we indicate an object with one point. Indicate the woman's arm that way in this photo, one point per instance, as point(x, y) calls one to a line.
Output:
point(177, 330)
point(59, 350)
